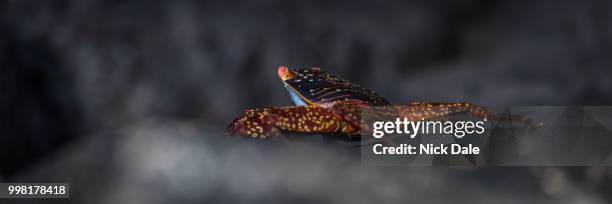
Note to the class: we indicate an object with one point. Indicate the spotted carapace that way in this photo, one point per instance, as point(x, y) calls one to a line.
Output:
point(326, 104)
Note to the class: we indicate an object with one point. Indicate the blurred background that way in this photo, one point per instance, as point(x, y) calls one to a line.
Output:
point(128, 100)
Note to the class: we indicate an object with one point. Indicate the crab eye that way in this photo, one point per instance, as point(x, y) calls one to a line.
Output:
point(285, 74)
point(282, 70)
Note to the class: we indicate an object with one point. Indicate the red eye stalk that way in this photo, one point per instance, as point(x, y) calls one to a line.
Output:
point(284, 73)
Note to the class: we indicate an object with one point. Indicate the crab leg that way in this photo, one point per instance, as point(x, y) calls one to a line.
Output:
point(425, 111)
point(270, 122)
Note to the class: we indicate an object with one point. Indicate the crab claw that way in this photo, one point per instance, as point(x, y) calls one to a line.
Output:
point(232, 128)
point(270, 123)
point(253, 124)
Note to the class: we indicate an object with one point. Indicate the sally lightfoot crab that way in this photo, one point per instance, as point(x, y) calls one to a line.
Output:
point(326, 104)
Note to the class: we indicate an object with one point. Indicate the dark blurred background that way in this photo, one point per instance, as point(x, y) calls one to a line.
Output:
point(128, 100)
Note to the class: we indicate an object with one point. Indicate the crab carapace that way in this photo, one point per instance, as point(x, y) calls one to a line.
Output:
point(326, 104)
